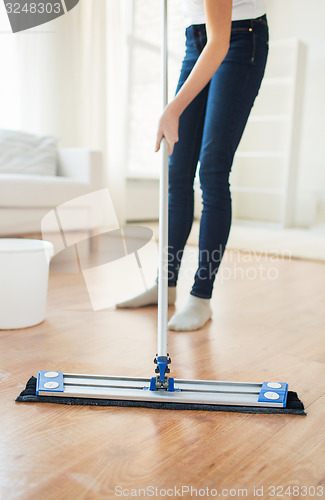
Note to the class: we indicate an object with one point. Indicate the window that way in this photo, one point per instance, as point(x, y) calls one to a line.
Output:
point(144, 96)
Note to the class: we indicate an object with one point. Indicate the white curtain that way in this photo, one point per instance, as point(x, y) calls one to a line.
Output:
point(69, 78)
point(118, 26)
point(9, 81)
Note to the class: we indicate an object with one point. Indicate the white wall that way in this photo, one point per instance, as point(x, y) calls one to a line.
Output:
point(305, 20)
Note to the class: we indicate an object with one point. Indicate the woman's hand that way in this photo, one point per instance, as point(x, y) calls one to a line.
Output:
point(218, 26)
point(168, 128)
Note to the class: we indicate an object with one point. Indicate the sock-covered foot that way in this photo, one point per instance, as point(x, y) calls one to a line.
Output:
point(148, 298)
point(194, 315)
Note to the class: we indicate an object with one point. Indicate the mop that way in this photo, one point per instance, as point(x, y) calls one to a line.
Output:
point(162, 391)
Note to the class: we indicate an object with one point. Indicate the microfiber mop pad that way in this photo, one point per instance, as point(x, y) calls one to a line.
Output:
point(28, 395)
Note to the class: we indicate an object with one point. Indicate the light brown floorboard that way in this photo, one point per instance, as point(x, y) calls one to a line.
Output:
point(262, 329)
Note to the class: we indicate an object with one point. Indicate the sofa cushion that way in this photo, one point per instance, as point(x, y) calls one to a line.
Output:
point(38, 191)
point(28, 154)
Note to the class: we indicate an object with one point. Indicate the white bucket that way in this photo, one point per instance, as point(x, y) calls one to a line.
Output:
point(24, 273)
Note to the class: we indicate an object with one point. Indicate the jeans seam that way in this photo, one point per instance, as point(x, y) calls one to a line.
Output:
point(233, 30)
point(260, 20)
point(190, 215)
point(254, 48)
point(194, 147)
point(200, 296)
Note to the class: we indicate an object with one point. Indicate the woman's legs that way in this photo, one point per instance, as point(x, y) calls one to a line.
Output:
point(182, 168)
point(216, 119)
point(232, 92)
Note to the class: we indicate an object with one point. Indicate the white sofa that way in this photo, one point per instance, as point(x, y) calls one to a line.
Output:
point(25, 199)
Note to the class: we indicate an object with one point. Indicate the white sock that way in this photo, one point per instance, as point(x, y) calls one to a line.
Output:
point(194, 315)
point(148, 298)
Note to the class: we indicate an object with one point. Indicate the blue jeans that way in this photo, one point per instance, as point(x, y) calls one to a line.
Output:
point(210, 129)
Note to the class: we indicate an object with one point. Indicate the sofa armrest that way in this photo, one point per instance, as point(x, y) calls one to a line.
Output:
point(81, 164)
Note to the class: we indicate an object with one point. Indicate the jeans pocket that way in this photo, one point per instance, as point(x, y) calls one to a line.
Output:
point(261, 20)
point(242, 45)
point(200, 40)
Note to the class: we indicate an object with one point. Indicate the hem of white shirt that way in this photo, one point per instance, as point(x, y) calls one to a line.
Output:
point(201, 19)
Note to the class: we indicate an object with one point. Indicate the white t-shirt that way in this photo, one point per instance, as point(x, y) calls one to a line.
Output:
point(194, 13)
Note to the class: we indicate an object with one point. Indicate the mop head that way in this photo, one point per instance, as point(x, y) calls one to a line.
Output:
point(28, 395)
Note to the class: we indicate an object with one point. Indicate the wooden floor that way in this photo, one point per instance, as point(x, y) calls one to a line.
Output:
point(263, 328)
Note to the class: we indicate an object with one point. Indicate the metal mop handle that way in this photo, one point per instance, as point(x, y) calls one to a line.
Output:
point(163, 209)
